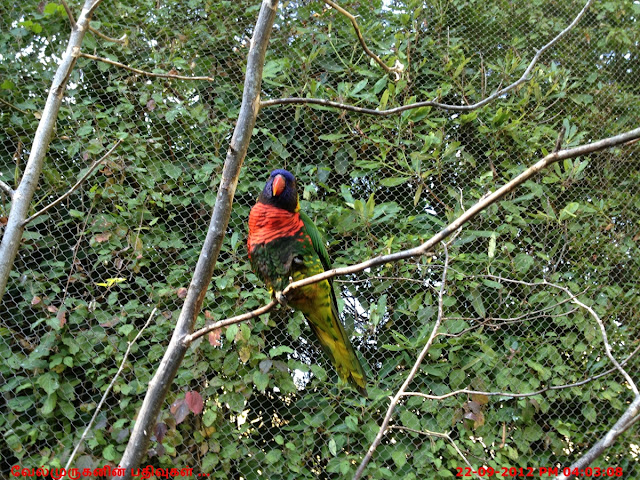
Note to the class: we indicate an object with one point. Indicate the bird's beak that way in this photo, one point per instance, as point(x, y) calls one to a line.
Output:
point(278, 186)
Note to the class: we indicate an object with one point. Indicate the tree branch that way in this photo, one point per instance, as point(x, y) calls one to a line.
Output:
point(75, 187)
point(25, 190)
point(444, 106)
point(187, 339)
point(142, 72)
point(427, 247)
point(412, 373)
point(6, 188)
point(11, 105)
point(624, 422)
point(396, 70)
point(579, 383)
point(106, 392)
point(163, 378)
point(122, 40)
point(605, 339)
point(69, 13)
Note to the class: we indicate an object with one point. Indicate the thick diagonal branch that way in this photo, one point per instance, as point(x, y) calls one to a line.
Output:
point(23, 194)
point(163, 378)
point(430, 244)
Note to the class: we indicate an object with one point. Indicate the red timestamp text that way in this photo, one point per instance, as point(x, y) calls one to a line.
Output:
point(539, 472)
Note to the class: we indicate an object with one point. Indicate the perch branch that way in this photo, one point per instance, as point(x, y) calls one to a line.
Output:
point(427, 247)
point(142, 72)
point(75, 187)
point(396, 70)
point(444, 106)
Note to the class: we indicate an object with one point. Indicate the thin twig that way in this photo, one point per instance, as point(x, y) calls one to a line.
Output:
point(439, 435)
point(13, 106)
point(579, 383)
point(6, 188)
point(75, 187)
point(444, 106)
point(427, 247)
point(412, 373)
point(122, 40)
point(106, 392)
point(69, 13)
point(142, 72)
point(396, 70)
point(560, 139)
point(605, 339)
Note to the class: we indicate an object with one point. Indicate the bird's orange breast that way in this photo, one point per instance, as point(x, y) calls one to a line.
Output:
point(267, 223)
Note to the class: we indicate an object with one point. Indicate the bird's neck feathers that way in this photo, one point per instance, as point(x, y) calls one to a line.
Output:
point(268, 222)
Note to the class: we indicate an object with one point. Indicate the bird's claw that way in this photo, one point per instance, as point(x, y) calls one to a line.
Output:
point(282, 300)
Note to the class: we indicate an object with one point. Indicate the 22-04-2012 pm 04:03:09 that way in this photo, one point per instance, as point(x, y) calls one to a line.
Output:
point(539, 472)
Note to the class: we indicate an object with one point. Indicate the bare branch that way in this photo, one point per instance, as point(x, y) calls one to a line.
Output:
point(122, 40)
point(427, 247)
point(605, 339)
point(187, 339)
point(41, 140)
point(106, 392)
point(624, 422)
point(75, 187)
point(412, 373)
point(560, 139)
point(579, 383)
point(69, 13)
point(175, 352)
point(439, 435)
point(11, 105)
point(142, 72)
point(96, 4)
point(396, 70)
point(444, 106)
point(6, 188)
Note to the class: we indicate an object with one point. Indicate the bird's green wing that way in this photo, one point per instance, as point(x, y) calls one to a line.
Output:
point(316, 240)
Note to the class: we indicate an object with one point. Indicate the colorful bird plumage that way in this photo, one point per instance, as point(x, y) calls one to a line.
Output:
point(284, 246)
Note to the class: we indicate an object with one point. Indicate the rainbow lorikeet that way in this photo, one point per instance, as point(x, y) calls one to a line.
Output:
point(284, 245)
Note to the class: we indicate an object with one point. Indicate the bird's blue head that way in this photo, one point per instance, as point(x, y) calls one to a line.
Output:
point(281, 191)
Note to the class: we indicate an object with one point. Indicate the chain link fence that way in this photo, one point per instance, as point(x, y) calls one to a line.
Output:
point(260, 399)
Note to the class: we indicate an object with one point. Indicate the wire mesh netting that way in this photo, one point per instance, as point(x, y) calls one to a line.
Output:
point(260, 398)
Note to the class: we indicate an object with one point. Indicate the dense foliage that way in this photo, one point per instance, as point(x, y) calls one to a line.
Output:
point(259, 399)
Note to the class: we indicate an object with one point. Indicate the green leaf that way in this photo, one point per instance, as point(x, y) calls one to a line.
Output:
point(273, 456)
point(332, 447)
point(48, 382)
point(261, 380)
point(410, 420)
point(49, 404)
point(384, 100)
point(523, 262)
point(399, 457)
point(393, 181)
